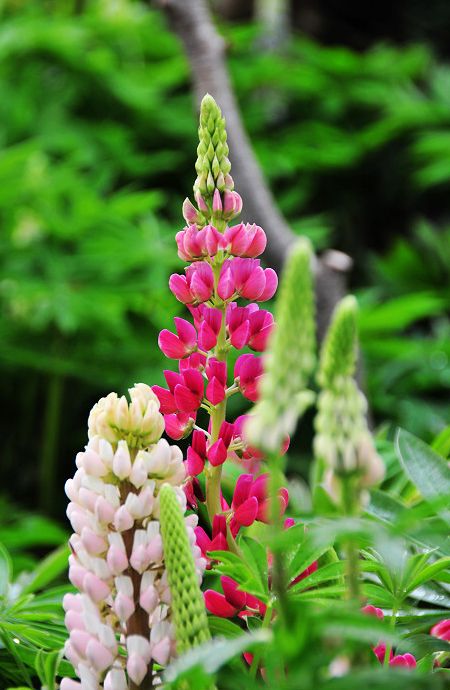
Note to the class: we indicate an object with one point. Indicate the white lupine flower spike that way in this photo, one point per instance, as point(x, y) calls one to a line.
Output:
point(120, 622)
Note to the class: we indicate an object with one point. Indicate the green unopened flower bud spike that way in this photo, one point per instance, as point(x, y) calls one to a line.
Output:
point(290, 358)
point(343, 445)
point(188, 608)
point(212, 166)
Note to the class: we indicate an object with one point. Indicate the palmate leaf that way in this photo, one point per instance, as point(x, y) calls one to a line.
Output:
point(251, 575)
point(427, 470)
point(32, 626)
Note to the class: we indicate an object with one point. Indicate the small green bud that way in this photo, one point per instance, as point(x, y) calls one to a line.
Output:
point(188, 608)
point(212, 163)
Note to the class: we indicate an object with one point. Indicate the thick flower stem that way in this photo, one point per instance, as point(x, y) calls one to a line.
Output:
point(258, 654)
point(214, 475)
point(137, 624)
point(349, 508)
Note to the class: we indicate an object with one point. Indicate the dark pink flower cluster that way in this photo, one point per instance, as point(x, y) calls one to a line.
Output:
point(224, 269)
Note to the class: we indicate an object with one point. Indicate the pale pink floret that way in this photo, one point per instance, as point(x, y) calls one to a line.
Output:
point(190, 213)
point(194, 244)
point(232, 204)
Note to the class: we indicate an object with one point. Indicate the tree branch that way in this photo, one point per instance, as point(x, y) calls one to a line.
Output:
point(205, 49)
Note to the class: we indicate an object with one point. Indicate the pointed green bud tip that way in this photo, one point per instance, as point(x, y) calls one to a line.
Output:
point(188, 608)
point(212, 163)
point(339, 350)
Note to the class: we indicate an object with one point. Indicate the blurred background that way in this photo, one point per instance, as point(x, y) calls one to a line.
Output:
point(348, 110)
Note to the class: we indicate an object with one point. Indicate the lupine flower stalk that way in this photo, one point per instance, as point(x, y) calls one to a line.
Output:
point(223, 268)
point(120, 622)
point(290, 358)
point(343, 441)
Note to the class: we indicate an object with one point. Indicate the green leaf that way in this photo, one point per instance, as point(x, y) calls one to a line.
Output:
point(248, 579)
point(48, 569)
point(327, 573)
point(5, 571)
point(441, 443)
point(428, 573)
point(427, 470)
point(222, 627)
point(255, 557)
point(212, 655)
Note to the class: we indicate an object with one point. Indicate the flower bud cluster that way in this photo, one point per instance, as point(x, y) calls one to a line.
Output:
point(212, 165)
point(343, 441)
point(120, 621)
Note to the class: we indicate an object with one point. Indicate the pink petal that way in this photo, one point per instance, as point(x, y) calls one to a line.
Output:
point(195, 463)
point(193, 379)
point(226, 432)
point(218, 605)
point(219, 543)
point(179, 287)
point(213, 317)
point(207, 339)
point(255, 285)
point(202, 540)
point(258, 342)
point(171, 345)
point(242, 489)
point(189, 211)
point(234, 596)
point(271, 285)
point(215, 391)
point(225, 286)
point(442, 630)
point(217, 369)
point(217, 453)
point(166, 400)
point(178, 425)
point(186, 400)
point(186, 333)
point(239, 338)
point(246, 513)
point(258, 243)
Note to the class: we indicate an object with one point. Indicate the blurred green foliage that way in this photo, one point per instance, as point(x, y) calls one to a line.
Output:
point(97, 134)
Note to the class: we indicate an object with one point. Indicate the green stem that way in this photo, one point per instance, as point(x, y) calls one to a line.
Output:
point(257, 656)
point(352, 555)
point(279, 576)
point(218, 413)
point(387, 654)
